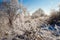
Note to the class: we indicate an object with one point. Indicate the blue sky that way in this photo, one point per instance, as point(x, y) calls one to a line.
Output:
point(46, 5)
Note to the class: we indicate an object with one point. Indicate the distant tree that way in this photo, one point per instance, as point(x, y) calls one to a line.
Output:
point(38, 13)
point(54, 17)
